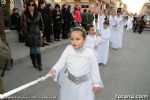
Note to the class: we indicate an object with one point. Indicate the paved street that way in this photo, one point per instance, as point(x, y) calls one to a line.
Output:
point(127, 73)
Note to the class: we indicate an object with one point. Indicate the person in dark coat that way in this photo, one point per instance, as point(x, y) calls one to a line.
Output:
point(134, 28)
point(15, 19)
point(42, 10)
point(90, 17)
point(57, 18)
point(70, 19)
point(64, 21)
point(33, 27)
point(48, 11)
point(85, 19)
point(140, 25)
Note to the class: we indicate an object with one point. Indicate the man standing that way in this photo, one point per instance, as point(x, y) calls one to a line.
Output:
point(85, 19)
point(119, 26)
point(140, 25)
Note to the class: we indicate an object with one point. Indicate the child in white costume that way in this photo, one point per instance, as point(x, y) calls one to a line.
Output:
point(83, 76)
point(119, 28)
point(103, 50)
point(112, 25)
point(93, 40)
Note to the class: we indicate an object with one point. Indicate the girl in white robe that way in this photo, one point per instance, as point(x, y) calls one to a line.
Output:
point(101, 19)
point(112, 27)
point(130, 23)
point(119, 27)
point(83, 76)
point(93, 40)
point(103, 50)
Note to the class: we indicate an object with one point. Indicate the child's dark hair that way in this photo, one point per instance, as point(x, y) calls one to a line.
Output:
point(80, 29)
point(15, 9)
point(106, 22)
point(89, 26)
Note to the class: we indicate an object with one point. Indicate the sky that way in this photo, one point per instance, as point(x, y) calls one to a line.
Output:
point(134, 6)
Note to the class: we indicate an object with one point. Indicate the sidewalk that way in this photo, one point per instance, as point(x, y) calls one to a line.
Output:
point(20, 52)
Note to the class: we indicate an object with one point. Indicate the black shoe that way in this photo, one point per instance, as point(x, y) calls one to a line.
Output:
point(99, 64)
point(46, 44)
point(33, 59)
point(50, 41)
point(40, 68)
point(42, 45)
point(34, 65)
point(39, 64)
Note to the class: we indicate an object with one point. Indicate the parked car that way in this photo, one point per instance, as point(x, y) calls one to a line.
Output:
point(147, 20)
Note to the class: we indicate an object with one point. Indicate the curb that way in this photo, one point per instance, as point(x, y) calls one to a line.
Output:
point(43, 50)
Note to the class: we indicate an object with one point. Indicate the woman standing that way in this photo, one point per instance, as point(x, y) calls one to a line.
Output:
point(57, 18)
point(42, 10)
point(77, 16)
point(33, 27)
point(69, 19)
point(48, 11)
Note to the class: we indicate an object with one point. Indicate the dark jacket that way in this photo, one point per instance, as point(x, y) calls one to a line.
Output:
point(91, 18)
point(15, 21)
point(45, 18)
point(69, 17)
point(64, 15)
point(57, 17)
point(85, 19)
point(32, 27)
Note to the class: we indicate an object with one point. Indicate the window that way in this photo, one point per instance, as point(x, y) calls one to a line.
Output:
point(85, 6)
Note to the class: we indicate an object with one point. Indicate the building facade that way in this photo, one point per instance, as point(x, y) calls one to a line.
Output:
point(145, 9)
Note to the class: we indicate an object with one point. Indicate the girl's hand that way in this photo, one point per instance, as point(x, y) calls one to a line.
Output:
point(96, 89)
point(95, 46)
point(52, 72)
point(98, 34)
point(95, 33)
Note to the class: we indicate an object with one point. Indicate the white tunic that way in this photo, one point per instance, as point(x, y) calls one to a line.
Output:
point(104, 46)
point(117, 38)
point(95, 24)
point(100, 22)
point(92, 40)
point(130, 23)
point(112, 27)
point(79, 62)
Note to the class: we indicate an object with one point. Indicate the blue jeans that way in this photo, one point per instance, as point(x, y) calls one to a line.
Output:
point(35, 50)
